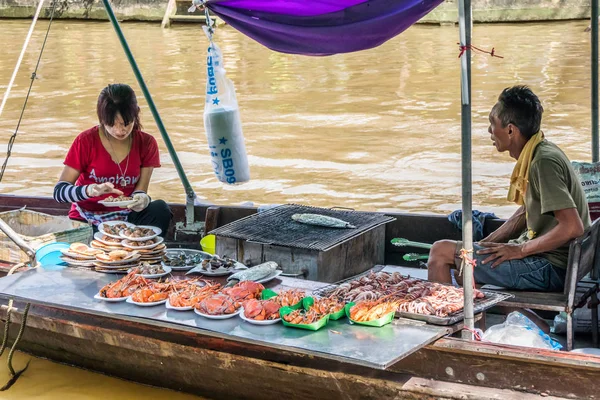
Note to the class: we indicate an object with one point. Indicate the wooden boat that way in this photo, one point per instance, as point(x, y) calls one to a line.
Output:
point(222, 367)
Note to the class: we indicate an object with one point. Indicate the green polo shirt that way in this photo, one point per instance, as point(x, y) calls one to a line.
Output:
point(553, 185)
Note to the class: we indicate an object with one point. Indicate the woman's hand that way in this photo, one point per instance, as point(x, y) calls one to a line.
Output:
point(140, 202)
point(96, 190)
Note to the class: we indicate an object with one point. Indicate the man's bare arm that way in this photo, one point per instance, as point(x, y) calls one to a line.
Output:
point(511, 229)
point(568, 228)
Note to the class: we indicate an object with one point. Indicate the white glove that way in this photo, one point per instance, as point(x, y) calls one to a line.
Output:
point(96, 190)
point(140, 202)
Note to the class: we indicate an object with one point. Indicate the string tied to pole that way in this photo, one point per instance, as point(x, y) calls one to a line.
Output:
point(464, 48)
point(465, 255)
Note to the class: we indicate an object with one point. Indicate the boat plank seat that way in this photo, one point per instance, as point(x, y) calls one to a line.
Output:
point(579, 288)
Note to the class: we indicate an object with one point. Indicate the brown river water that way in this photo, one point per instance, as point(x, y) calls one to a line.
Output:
point(375, 130)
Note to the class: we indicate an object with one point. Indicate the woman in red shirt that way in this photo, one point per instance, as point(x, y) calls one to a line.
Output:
point(113, 158)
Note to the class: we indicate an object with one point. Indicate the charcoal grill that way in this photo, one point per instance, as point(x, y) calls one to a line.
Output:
point(315, 252)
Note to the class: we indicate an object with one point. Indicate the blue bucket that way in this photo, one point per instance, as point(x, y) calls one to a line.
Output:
point(49, 254)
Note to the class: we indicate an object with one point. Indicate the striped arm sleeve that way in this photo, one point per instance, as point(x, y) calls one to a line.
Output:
point(65, 192)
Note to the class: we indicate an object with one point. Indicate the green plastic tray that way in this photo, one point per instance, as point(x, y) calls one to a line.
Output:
point(307, 302)
point(268, 294)
point(386, 319)
point(315, 326)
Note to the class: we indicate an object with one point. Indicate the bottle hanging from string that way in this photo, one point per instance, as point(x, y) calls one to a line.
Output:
point(222, 120)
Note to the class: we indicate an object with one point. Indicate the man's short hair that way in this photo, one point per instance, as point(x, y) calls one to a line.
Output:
point(519, 106)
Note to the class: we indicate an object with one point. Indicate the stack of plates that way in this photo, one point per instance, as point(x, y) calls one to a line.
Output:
point(117, 261)
point(79, 255)
point(150, 247)
point(107, 238)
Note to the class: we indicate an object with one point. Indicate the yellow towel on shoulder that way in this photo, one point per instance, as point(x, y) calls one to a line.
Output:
point(520, 175)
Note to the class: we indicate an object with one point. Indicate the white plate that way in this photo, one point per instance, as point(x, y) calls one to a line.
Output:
point(217, 272)
point(157, 231)
point(226, 316)
point(157, 240)
point(111, 223)
point(123, 203)
point(77, 262)
point(150, 276)
point(170, 307)
point(76, 256)
point(111, 271)
point(255, 322)
point(98, 237)
point(129, 260)
point(182, 268)
point(154, 303)
point(110, 300)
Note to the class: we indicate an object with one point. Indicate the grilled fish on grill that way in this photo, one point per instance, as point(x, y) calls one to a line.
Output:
point(253, 274)
point(321, 220)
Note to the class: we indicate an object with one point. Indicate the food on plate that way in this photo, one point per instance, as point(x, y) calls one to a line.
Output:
point(372, 310)
point(413, 295)
point(245, 290)
point(303, 317)
point(289, 297)
point(215, 263)
point(152, 292)
point(139, 243)
point(150, 269)
point(113, 229)
point(114, 199)
point(123, 287)
point(322, 220)
point(255, 273)
point(137, 232)
point(193, 294)
point(261, 310)
point(109, 239)
point(115, 255)
point(218, 304)
point(84, 249)
point(181, 259)
point(328, 305)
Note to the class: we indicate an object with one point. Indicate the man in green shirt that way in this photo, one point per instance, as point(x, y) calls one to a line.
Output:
point(530, 250)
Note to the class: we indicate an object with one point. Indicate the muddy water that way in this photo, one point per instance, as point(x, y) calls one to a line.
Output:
point(46, 380)
point(375, 130)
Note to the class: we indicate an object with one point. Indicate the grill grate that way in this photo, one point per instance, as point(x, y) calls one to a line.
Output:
point(276, 227)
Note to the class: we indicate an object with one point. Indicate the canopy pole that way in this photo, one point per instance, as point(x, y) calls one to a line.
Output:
point(465, 25)
point(595, 143)
point(20, 59)
point(189, 191)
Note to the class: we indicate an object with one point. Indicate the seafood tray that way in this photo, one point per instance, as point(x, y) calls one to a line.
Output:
point(479, 305)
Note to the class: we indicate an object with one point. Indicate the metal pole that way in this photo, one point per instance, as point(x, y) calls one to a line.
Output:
point(465, 25)
point(595, 146)
point(190, 195)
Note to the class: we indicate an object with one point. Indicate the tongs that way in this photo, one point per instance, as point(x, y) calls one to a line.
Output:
point(401, 242)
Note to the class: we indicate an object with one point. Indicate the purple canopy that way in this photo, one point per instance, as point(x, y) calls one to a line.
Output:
point(321, 27)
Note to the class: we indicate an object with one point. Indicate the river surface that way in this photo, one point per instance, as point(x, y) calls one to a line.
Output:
point(375, 130)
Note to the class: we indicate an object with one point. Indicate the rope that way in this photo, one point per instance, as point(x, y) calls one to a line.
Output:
point(13, 375)
point(11, 141)
point(20, 59)
point(471, 47)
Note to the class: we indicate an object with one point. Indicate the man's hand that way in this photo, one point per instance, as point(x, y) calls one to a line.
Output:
point(500, 252)
point(95, 190)
point(140, 202)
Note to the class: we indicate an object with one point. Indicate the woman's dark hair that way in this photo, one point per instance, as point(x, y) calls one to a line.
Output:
point(519, 106)
point(118, 98)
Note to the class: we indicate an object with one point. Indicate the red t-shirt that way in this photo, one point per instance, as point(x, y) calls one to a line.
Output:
point(88, 155)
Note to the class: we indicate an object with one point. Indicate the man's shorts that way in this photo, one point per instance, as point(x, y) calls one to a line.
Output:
point(529, 273)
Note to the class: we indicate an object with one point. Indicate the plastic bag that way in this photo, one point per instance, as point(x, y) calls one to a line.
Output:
point(589, 175)
point(222, 121)
point(518, 330)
